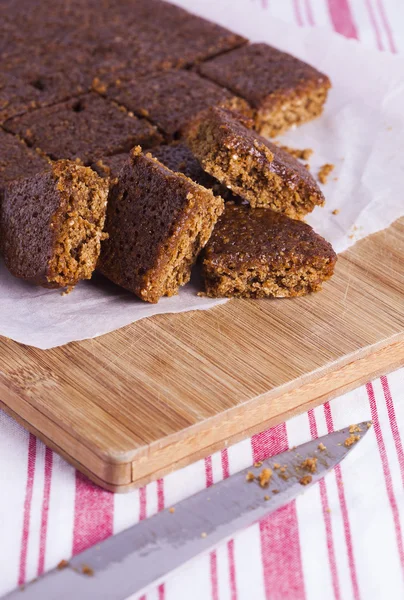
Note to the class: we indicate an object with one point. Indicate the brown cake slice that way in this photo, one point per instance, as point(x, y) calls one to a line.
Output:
point(251, 166)
point(88, 127)
point(17, 160)
point(171, 99)
point(28, 81)
point(51, 225)
point(179, 36)
point(283, 90)
point(157, 222)
point(257, 253)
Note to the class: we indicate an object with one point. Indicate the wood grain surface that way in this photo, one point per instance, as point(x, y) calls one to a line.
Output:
point(132, 405)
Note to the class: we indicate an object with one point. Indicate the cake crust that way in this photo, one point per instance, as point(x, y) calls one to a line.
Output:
point(283, 90)
point(17, 160)
point(257, 253)
point(172, 99)
point(86, 128)
point(51, 225)
point(251, 166)
point(157, 222)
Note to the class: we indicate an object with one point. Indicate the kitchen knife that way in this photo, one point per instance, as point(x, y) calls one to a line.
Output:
point(125, 564)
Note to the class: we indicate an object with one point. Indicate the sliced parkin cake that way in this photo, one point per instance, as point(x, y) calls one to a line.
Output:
point(158, 221)
point(283, 90)
point(257, 253)
point(251, 166)
point(51, 224)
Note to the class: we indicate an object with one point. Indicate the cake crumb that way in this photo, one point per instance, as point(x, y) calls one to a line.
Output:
point(310, 464)
point(86, 570)
point(324, 172)
point(171, 510)
point(99, 86)
point(322, 447)
point(305, 480)
point(68, 290)
point(354, 429)
point(266, 498)
point(328, 510)
point(351, 440)
point(277, 466)
point(275, 491)
point(264, 477)
point(63, 564)
point(250, 477)
point(204, 534)
point(258, 464)
point(303, 154)
point(336, 211)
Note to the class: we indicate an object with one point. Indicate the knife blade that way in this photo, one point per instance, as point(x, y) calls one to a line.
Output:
point(125, 564)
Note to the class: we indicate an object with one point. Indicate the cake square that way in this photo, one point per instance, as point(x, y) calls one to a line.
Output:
point(172, 99)
point(51, 225)
point(157, 222)
point(283, 90)
point(17, 160)
point(87, 128)
point(258, 253)
point(176, 37)
point(16, 97)
point(36, 79)
point(251, 166)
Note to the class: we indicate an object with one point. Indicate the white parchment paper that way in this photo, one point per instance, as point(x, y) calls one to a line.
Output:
point(361, 132)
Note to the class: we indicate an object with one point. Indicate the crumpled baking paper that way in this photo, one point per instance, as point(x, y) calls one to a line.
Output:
point(361, 133)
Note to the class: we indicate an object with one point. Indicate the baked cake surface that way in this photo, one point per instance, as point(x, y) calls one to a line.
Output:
point(257, 253)
point(88, 128)
point(172, 99)
point(251, 166)
point(283, 90)
point(157, 222)
point(31, 81)
point(17, 160)
point(51, 225)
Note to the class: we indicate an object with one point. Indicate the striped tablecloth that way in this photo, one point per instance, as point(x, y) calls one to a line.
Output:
point(342, 539)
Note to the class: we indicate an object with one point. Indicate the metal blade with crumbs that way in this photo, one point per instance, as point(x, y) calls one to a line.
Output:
point(127, 563)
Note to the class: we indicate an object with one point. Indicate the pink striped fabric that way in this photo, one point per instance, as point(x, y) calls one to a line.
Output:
point(343, 539)
point(45, 509)
point(27, 509)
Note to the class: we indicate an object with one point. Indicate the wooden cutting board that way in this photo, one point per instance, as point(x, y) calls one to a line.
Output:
point(135, 404)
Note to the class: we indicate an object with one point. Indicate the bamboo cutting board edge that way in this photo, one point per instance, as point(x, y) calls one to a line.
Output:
point(332, 369)
point(125, 479)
